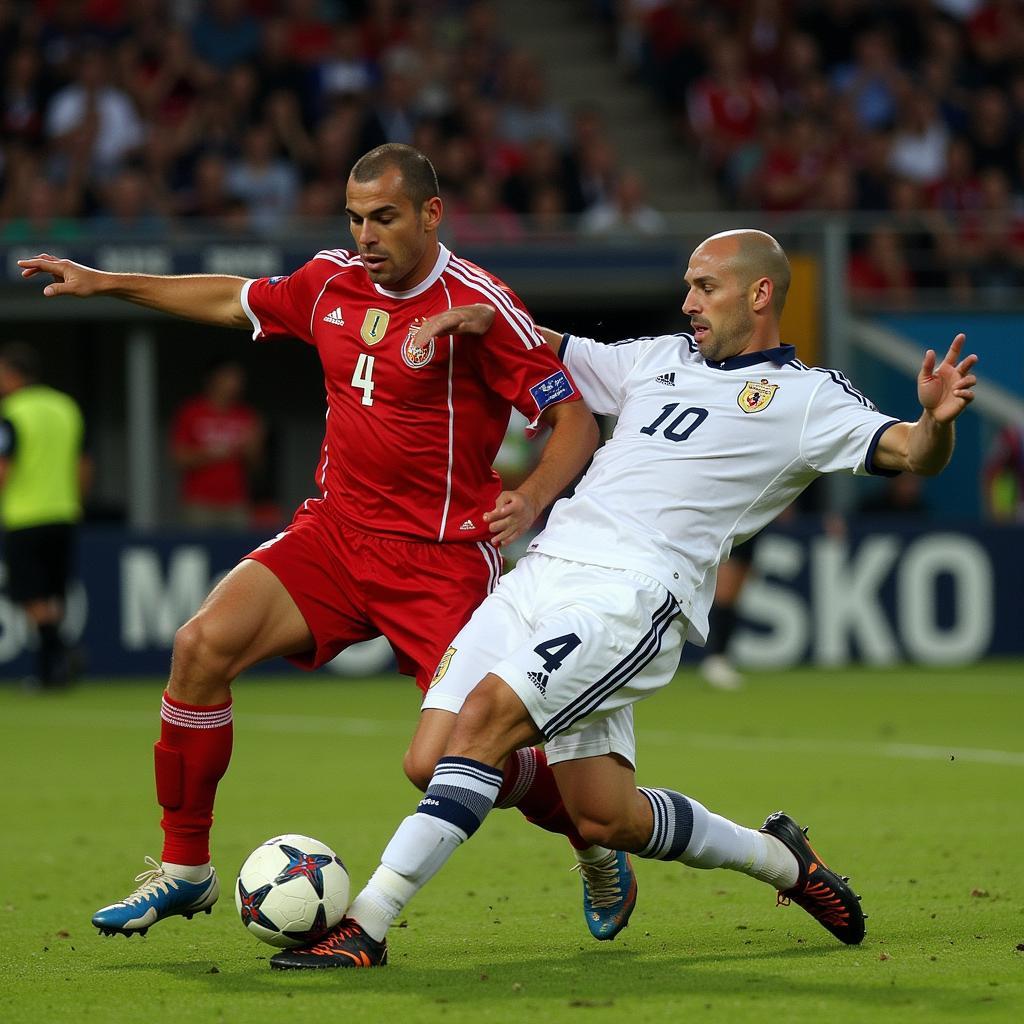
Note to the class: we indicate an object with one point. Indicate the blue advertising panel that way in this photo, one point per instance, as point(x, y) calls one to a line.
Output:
point(878, 593)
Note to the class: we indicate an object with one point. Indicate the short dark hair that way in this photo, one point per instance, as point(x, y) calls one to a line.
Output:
point(419, 179)
point(22, 358)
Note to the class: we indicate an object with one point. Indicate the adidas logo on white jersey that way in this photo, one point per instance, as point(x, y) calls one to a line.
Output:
point(335, 318)
point(468, 525)
point(666, 378)
point(539, 679)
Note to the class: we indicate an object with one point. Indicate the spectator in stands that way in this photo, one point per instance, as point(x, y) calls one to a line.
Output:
point(92, 122)
point(878, 273)
point(727, 104)
point(267, 184)
point(793, 165)
point(991, 132)
point(208, 198)
point(873, 79)
point(42, 217)
point(216, 441)
point(548, 216)
point(529, 113)
point(344, 69)
point(43, 474)
point(920, 140)
point(482, 217)
point(991, 239)
point(959, 190)
point(628, 213)
point(224, 34)
point(873, 172)
point(21, 102)
point(127, 211)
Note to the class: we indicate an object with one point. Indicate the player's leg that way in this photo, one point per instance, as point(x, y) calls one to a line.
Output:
point(38, 561)
point(248, 617)
point(420, 621)
point(545, 678)
point(528, 783)
point(662, 824)
point(493, 722)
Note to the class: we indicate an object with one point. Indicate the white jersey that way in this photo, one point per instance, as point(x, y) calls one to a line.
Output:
point(703, 454)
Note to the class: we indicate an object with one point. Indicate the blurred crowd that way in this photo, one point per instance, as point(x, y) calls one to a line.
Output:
point(145, 118)
point(911, 109)
point(142, 118)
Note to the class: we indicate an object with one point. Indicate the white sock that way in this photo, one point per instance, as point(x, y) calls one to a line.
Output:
point(417, 851)
point(188, 872)
point(719, 843)
point(593, 854)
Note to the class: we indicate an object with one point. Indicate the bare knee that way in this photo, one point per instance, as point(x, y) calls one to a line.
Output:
point(492, 723)
point(203, 663)
point(616, 834)
point(419, 767)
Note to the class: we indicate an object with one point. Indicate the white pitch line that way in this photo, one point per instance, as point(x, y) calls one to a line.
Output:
point(897, 751)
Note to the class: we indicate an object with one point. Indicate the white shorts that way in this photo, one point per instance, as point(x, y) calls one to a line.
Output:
point(579, 644)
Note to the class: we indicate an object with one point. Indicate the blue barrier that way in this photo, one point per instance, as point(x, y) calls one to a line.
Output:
point(881, 593)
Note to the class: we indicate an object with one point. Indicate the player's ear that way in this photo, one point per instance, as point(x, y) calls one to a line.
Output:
point(763, 290)
point(432, 212)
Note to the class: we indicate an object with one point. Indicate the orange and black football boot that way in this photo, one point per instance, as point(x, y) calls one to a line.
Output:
point(819, 890)
point(345, 945)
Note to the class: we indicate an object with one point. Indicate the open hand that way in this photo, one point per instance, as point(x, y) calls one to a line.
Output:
point(513, 514)
point(69, 278)
point(474, 319)
point(946, 389)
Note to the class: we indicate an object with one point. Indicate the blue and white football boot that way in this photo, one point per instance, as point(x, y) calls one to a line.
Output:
point(159, 895)
point(609, 894)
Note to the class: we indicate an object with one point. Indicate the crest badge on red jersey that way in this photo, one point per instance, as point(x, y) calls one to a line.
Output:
point(375, 325)
point(756, 395)
point(415, 355)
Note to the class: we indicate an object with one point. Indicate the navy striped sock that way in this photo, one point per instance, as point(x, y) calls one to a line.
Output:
point(673, 824)
point(461, 792)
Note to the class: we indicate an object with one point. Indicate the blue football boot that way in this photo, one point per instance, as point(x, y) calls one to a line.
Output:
point(609, 894)
point(159, 895)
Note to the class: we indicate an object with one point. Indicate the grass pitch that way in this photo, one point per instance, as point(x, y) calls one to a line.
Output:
point(911, 781)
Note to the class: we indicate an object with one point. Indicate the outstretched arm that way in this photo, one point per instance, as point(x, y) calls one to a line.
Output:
point(208, 298)
point(944, 391)
point(475, 319)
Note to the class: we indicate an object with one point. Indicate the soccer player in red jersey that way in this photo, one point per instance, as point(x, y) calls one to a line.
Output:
point(403, 540)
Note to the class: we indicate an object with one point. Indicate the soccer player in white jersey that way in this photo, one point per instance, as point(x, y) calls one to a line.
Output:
point(717, 432)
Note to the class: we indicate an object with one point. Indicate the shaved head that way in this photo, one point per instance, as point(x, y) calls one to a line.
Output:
point(751, 255)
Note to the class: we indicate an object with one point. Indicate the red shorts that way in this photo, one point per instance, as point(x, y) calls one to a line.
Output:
point(352, 586)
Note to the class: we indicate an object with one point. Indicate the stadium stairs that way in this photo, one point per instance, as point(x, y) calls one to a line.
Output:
point(572, 44)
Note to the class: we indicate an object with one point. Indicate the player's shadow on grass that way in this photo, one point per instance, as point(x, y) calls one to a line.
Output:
point(583, 979)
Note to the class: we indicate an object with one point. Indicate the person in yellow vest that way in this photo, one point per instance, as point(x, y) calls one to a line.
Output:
point(43, 472)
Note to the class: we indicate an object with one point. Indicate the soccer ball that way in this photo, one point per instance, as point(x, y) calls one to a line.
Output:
point(291, 890)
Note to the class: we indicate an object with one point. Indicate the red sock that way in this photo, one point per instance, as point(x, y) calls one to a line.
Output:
point(191, 758)
point(529, 784)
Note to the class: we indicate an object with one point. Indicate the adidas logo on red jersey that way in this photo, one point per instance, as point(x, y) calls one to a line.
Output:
point(468, 525)
point(335, 318)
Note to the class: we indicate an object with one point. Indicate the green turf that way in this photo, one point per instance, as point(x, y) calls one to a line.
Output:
point(911, 780)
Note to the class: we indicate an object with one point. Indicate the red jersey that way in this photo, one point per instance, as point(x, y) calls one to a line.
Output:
point(411, 430)
point(199, 424)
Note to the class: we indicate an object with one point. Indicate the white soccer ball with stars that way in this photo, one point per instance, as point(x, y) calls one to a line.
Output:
point(291, 890)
